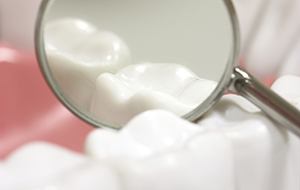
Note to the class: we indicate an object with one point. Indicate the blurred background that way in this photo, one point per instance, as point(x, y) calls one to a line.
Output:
point(28, 110)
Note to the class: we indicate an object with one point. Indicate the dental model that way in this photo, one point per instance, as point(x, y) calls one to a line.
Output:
point(93, 68)
point(235, 142)
point(235, 147)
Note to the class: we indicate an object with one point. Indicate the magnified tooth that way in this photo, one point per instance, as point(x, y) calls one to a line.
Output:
point(78, 52)
point(67, 34)
point(141, 87)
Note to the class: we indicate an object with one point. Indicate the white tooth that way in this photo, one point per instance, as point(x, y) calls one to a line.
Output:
point(260, 147)
point(231, 110)
point(91, 176)
point(43, 166)
point(291, 172)
point(67, 35)
point(260, 151)
point(159, 130)
point(142, 87)
point(145, 135)
point(36, 164)
point(109, 145)
point(206, 163)
point(78, 52)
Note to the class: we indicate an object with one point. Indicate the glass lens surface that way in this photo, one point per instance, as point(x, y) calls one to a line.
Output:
point(109, 60)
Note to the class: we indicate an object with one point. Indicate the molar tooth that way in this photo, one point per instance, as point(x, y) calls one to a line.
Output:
point(145, 135)
point(43, 166)
point(259, 146)
point(36, 164)
point(259, 149)
point(109, 145)
point(77, 53)
point(91, 176)
point(204, 161)
point(141, 87)
point(147, 129)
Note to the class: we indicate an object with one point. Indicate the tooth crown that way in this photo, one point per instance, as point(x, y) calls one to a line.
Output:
point(77, 53)
point(140, 87)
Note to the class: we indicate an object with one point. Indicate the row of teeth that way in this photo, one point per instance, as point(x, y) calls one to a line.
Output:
point(234, 147)
point(94, 69)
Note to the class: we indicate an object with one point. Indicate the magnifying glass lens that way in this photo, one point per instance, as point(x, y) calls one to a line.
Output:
point(108, 61)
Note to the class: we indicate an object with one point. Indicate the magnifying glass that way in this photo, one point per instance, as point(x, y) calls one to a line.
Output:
point(108, 60)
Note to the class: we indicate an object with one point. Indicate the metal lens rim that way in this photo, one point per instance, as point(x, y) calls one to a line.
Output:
point(192, 116)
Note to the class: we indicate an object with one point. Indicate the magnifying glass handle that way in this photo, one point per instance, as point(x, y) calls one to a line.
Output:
point(267, 100)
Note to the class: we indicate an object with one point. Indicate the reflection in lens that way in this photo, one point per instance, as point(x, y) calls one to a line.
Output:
point(111, 60)
point(95, 71)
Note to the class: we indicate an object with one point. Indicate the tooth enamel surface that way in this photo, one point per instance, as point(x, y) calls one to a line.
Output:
point(145, 86)
point(91, 176)
point(78, 52)
point(35, 165)
point(142, 137)
point(259, 148)
point(207, 159)
point(44, 166)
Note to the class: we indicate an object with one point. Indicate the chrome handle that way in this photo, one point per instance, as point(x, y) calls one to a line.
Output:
point(267, 100)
